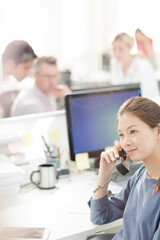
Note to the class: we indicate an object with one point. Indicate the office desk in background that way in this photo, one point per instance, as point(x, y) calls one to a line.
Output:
point(21, 139)
point(64, 209)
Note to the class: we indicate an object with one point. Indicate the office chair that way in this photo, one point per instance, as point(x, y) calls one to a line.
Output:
point(6, 101)
point(106, 57)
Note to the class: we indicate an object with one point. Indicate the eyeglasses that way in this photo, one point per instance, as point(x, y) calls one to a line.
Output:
point(48, 77)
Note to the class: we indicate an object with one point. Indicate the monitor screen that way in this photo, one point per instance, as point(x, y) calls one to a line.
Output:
point(91, 117)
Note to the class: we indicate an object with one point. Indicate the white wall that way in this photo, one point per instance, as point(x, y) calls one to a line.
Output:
point(76, 31)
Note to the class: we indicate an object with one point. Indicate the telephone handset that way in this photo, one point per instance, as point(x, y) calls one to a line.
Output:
point(122, 166)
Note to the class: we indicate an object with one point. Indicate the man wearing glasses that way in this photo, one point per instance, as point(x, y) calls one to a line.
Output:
point(43, 95)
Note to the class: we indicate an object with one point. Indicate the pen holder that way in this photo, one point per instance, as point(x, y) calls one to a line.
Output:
point(53, 160)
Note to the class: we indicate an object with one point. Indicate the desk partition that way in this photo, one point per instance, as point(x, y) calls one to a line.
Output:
point(21, 137)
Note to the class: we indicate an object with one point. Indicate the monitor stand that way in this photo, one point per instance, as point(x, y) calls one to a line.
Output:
point(94, 164)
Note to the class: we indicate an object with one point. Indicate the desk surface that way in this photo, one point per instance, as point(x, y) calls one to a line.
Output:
point(63, 210)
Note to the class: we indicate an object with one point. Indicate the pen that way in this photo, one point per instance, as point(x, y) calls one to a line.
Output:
point(61, 153)
point(58, 153)
point(46, 145)
point(53, 150)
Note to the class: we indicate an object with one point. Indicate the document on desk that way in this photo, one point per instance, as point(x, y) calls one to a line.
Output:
point(29, 233)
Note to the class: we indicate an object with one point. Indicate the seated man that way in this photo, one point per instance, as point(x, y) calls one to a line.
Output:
point(17, 60)
point(42, 96)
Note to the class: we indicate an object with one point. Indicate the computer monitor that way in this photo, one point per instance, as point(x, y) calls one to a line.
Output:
point(91, 117)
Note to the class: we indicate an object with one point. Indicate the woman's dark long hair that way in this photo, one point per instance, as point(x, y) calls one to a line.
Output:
point(145, 109)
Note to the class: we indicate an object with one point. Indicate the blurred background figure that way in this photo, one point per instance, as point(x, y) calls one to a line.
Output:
point(145, 47)
point(43, 95)
point(15, 64)
point(17, 60)
point(128, 68)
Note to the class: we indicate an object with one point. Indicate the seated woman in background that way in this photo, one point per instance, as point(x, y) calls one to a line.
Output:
point(128, 68)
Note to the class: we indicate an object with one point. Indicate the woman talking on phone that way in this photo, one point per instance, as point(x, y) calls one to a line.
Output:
point(138, 203)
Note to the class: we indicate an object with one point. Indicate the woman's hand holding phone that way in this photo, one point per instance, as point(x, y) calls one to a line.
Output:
point(106, 167)
point(108, 158)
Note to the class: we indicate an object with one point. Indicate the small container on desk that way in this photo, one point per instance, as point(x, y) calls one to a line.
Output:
point(53, 159)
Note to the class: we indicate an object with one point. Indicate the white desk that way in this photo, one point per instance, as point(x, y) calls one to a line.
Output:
point(63, 209)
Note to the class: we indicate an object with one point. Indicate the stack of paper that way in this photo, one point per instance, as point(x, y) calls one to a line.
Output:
point(10, 176)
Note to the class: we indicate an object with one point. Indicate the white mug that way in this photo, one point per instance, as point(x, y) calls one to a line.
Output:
point(47, 176)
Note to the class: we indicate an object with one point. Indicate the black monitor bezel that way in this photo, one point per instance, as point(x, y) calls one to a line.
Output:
point(82, 93)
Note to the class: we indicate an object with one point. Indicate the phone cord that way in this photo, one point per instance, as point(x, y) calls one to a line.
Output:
point(106, 183)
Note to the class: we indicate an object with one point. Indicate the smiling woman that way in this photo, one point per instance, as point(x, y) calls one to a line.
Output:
point(139, 130)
